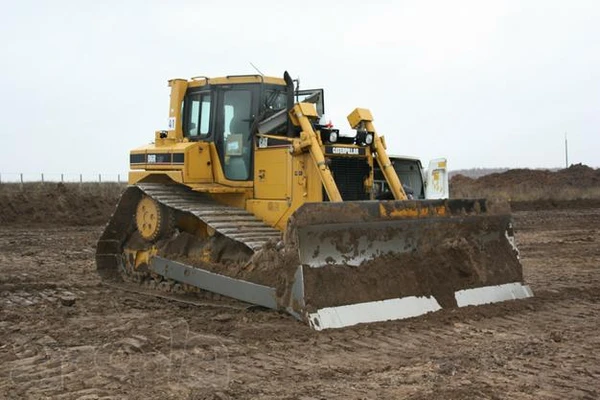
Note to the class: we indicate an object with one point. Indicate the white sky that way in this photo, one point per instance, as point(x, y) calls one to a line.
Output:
point(483, 83)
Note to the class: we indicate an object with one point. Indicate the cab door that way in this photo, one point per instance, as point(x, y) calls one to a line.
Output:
point(234, 140)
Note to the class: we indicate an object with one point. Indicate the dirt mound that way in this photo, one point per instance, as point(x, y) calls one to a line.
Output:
point(576, 182)
point(577, 175)
point(50, 204)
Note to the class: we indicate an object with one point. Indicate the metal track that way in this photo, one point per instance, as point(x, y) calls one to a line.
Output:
point(175, 298)
point(234, 223)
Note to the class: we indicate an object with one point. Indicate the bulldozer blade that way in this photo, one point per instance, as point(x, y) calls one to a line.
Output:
point(376, 261)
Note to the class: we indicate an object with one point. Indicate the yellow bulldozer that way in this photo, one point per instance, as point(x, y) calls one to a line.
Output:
point(249, 194)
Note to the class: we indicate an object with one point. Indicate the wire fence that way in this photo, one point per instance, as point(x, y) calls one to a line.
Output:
point(17, 177)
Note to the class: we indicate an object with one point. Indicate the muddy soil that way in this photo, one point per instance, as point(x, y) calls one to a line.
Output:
point(65, 335)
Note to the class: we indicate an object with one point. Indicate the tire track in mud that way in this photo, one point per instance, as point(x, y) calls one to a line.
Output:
point(113, 344)
point(528, 351)
point(131, 349)
point(537, 348)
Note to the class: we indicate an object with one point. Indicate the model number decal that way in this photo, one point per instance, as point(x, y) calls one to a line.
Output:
point(163, 158)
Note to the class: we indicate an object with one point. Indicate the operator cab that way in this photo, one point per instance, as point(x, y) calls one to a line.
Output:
point(227, 111)
point(224, 114)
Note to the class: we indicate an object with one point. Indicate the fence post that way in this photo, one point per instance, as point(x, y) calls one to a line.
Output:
point(118, 178)
point(80, 179)
point(61, 178)
point(21, 181)
point(42, 177)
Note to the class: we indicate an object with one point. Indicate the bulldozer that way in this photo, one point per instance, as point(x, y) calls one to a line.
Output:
point(249, 194)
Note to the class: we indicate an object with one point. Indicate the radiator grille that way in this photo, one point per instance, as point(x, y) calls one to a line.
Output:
point(349, 174)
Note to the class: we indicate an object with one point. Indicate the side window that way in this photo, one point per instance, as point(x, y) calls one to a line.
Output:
point(197, 119)
point(205, 115)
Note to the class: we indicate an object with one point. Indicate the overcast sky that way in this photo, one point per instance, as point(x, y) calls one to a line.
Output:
point(483, 83)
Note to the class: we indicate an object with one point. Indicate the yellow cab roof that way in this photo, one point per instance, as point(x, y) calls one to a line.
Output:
point(198, 81)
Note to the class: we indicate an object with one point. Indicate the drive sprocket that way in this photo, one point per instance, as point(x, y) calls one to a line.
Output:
point(152, 219)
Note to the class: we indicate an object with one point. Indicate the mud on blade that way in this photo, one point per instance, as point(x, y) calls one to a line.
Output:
point(374, 261)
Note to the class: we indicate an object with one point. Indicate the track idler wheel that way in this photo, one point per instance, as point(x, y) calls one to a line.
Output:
point(152, 219)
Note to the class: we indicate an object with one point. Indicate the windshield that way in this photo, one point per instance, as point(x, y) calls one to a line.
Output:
point(275, 99)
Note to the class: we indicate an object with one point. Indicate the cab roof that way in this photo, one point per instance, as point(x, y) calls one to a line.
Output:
point(198, 81)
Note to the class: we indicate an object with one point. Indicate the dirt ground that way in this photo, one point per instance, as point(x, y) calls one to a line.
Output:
point(64, 335)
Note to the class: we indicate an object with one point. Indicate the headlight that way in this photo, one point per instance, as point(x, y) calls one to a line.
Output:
point(329, 135)
point(363, 138)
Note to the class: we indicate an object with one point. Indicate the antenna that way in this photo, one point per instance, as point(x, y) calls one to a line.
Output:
point(566, 152)
point(257, 70)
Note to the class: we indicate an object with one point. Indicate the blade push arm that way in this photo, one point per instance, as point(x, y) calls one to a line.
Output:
point(361, 118)
point(300, 116)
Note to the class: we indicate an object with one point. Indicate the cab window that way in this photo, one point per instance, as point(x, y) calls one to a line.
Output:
point(275, 100)
point(197, 116)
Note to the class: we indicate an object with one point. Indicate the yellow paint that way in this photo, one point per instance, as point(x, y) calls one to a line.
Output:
point(441, 210)
point(232, 199)
point(359, 115)
point(140, 258)
point(198, 165)
point(233, 80)
point(178, 89)
point(413, 212)
point(218, 189)
point(272, 168)
point(301, 111)
point(301, 114)
point(155, 176)
point(206, 255)
point(148, 218)
point(270, 211)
